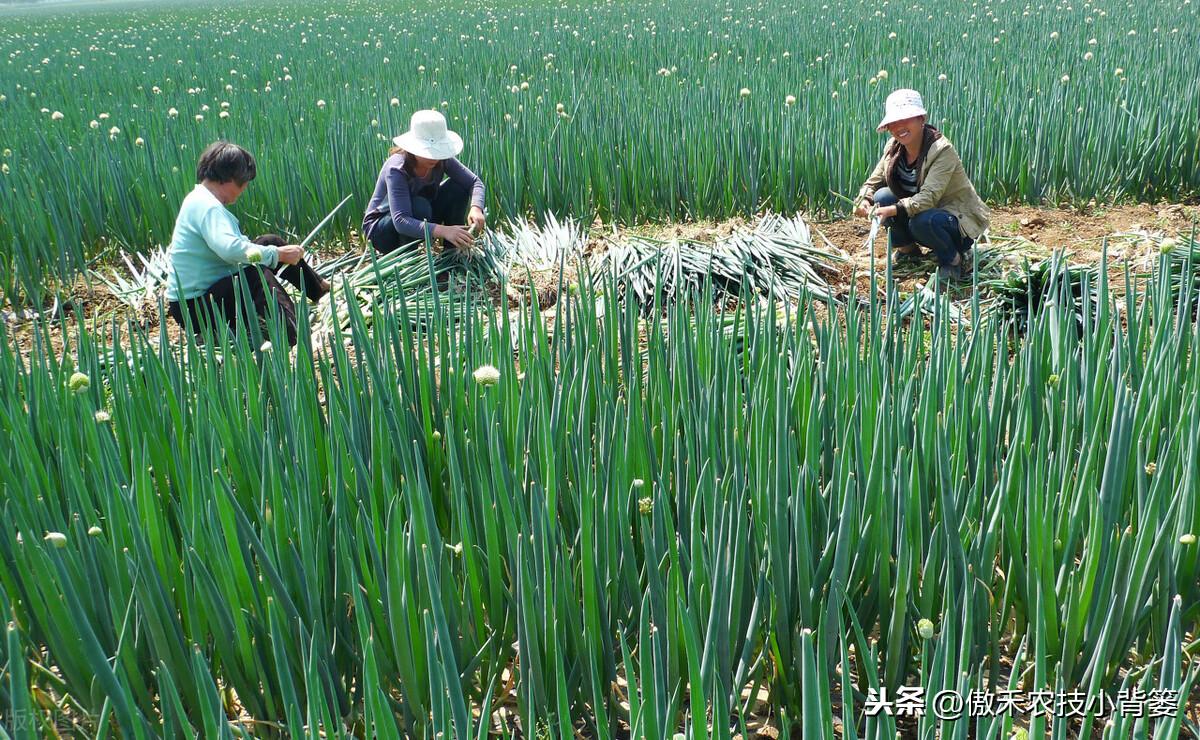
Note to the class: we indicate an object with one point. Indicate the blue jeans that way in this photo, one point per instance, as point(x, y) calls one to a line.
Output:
point(935, 228)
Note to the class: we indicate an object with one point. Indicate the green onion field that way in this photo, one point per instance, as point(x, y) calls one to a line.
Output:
point(754, 487)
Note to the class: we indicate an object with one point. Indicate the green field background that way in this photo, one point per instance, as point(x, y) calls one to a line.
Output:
point(654, 122)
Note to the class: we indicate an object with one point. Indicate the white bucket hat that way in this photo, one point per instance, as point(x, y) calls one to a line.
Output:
point(428, 137)
point(901, 104)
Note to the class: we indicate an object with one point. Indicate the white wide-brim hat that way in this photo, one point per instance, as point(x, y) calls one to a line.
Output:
point(428, 137)
point(901, 104)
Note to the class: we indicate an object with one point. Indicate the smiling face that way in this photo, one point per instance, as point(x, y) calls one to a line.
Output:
point(908, 130)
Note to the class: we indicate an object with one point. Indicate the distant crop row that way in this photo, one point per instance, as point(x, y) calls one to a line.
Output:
point(629, 110)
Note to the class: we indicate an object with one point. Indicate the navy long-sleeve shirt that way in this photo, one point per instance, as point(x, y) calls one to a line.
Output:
point(395, 188)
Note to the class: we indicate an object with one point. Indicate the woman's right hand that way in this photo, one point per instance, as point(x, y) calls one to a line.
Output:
point(457, 236)
point(290, 254)
point(864, 207)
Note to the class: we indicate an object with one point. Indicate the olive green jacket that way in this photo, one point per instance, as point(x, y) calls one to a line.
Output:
point(942, 183)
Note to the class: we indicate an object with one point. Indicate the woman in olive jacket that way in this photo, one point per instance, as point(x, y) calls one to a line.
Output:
point(920, 190)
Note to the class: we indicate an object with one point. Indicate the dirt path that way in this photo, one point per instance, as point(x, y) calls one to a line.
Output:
point(1080, 233)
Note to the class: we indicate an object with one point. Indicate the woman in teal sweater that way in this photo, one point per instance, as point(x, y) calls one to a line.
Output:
point(214, 266)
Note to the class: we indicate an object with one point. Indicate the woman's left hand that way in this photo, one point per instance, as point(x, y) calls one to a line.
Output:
point(475, 220)
point(885, 212)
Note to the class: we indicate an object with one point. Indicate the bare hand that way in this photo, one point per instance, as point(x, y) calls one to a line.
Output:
point(290, 254)
point(864, 207)
point(475, 220)
point(883, 212)
point(457, 236)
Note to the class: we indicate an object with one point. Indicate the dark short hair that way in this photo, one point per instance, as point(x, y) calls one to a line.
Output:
point(223, 161)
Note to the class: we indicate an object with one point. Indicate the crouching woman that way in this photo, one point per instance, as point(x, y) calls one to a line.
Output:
point(423, 191)
point(213, 265)
point(921, 191)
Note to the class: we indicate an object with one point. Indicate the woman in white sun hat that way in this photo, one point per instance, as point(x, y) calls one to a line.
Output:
point(423, 191)
point(920, 190)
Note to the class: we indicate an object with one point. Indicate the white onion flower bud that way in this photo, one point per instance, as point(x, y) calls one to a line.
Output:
point(57, 539)
point(925, 629)
point(487, 375)
point(79, 382)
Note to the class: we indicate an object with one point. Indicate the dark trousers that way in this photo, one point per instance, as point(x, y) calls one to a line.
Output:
point(301, 275)
point(935, 228)
point(225, 301)
point(448, 208)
